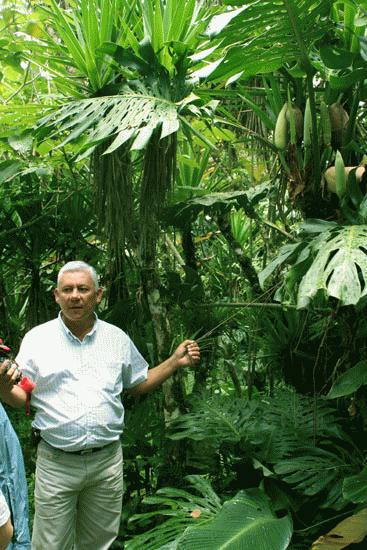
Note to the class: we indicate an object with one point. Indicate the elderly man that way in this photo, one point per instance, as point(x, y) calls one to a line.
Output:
point(81, 365)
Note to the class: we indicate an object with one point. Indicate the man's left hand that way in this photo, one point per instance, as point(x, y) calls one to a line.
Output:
point(187, 353)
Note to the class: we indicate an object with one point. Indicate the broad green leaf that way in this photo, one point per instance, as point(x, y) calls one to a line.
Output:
point(316, 226)
point(9, 169)
point(343, 82)
point(244, 522)
point(176, 508)
point(336, 58)
point(122, 117)
point(355, 487)
point(285, 252)
point(339, 268)
point(312, 472)
point(350, 381)
point(348, 532)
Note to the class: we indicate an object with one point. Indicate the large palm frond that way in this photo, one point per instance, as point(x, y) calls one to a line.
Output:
point(261, 36)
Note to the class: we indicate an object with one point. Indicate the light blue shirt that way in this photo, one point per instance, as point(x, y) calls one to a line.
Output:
point(13, 483)
point(79, 383)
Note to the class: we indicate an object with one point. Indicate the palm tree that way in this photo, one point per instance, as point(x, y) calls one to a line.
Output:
point(128, 67)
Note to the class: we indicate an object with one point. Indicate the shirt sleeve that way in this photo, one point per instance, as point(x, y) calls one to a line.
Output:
point(24, 358)
point(135, 368)
point(4, 510)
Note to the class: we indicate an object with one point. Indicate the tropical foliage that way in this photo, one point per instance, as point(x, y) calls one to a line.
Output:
point(208, 158)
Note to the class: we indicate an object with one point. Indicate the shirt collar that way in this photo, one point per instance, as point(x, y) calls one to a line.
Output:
point(71, 335)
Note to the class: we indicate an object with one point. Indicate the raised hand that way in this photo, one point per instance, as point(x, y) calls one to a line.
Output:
point(187, 353)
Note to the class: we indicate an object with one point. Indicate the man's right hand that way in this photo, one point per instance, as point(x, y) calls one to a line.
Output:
point(9, 375)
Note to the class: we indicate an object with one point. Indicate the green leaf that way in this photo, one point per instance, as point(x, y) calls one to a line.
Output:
point(312, 472)
point(177, 505)
point(336, 58)
point(339, 268)
point(290, 27)
point(285, 252)
point(122, 117)
point(363, 47)
point(244, 522)
point(9, 169)
point(312, 225)
point(22, 143)
point(350, 381)
point(343, 82)
point(355, 487)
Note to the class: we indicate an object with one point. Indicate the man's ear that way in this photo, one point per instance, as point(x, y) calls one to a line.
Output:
point(99, 295)
point(56, 295)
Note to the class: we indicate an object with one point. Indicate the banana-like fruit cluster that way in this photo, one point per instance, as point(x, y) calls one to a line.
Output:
point(336, 177)
point(291, 126)
point(288, 127)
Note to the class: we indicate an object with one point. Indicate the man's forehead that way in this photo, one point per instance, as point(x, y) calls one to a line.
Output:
point(76, 278)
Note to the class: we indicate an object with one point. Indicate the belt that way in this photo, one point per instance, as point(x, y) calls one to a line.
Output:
point(82, 451)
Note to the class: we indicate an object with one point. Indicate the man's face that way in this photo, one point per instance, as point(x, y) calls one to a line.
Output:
point(77, 296)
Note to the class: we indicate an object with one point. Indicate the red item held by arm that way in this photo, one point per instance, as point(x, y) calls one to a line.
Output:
point(26, 384)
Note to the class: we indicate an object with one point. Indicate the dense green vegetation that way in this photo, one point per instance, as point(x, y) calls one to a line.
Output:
point(195, 152)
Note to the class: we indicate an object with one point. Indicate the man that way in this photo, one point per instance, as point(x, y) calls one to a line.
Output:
point(80, 365)
point(13, 490)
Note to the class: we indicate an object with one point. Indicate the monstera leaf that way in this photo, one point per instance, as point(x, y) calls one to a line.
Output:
point(330, 258)
point(125, 117)
point(340, 267)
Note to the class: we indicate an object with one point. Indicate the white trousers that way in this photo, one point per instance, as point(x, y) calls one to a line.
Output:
point(78, 499)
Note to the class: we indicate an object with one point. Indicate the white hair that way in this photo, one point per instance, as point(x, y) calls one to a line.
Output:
point(79, 266)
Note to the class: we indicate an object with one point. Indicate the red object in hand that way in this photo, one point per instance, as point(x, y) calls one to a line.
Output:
point(26, 384)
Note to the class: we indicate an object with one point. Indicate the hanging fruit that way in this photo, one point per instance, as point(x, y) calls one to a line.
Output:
point(338, 120)
point(281, 129)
